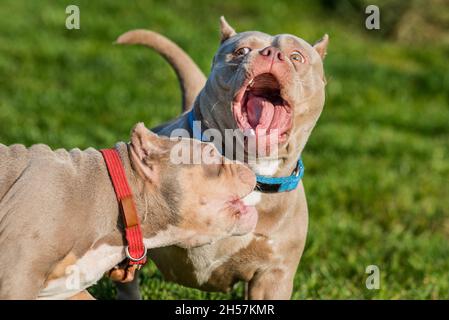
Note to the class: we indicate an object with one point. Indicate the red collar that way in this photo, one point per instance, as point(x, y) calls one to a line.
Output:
point(136, 252)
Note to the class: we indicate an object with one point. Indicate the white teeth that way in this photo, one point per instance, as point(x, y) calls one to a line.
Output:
point(251, 82)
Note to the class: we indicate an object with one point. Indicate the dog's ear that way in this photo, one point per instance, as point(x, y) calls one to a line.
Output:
point(226, 30)
point(321, 46)
point(144, 146)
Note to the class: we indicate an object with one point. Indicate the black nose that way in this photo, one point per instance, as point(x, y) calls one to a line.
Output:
point(272, 52)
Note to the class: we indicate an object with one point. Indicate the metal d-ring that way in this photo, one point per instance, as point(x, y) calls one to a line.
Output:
point(134, 259)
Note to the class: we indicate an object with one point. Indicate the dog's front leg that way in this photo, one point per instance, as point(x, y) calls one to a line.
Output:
point(271, 284)
point(276, 280)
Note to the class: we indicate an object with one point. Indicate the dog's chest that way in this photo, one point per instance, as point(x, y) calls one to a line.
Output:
point(240, 264)
point(217, 266)
point(207, 259)
point(85, 272)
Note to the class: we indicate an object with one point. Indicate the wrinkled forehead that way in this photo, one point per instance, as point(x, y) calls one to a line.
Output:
point(256, 39)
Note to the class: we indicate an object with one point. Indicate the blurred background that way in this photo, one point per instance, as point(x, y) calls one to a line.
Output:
point(377, 163)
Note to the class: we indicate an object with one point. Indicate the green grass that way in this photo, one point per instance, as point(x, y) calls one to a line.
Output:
point(377, 169)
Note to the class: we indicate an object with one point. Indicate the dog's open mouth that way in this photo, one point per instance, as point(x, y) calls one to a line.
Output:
point(260, 110)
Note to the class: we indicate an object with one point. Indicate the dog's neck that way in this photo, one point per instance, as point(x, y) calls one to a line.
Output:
point(152, 210)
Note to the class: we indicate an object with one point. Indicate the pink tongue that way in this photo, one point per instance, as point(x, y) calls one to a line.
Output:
point(260, 112)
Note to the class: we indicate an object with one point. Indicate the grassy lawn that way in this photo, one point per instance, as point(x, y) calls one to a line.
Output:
point(377, 163)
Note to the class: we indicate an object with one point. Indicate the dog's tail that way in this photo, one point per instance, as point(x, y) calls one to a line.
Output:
point(190, 77)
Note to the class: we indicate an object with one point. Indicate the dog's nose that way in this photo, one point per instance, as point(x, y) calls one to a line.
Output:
point(273, 53)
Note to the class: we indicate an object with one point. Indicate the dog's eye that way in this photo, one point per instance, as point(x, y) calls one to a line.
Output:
point(242, 51)
point(297, 56)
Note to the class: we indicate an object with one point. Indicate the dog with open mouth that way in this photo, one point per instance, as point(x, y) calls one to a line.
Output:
point(269, 88)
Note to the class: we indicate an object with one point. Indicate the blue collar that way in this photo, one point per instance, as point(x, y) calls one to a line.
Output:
point(264, 184)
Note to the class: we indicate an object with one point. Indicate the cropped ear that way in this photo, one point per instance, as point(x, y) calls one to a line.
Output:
point(226, 30)
point(145, 144)
point(321, 46)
